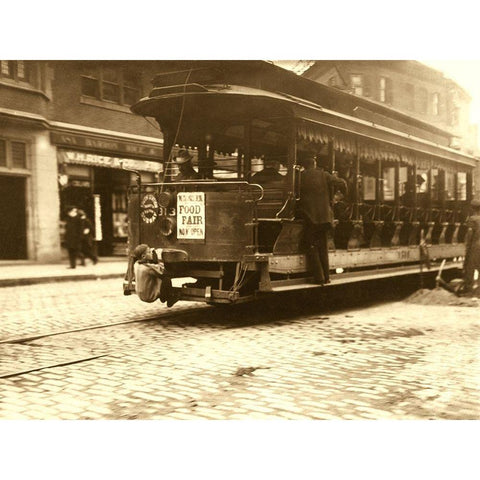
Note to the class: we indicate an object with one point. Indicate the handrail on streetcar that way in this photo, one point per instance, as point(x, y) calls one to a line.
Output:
point(212, 182)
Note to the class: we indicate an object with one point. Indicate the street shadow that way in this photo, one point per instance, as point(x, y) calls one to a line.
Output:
point(279, 308)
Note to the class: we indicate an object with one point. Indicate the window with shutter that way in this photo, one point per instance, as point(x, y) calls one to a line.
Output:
point(13, 154)
point(19, 155)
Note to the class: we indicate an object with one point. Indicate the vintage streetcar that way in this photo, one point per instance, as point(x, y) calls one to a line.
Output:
point(231, 236)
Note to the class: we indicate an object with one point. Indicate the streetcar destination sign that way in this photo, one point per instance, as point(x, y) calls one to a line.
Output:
point(191, 215)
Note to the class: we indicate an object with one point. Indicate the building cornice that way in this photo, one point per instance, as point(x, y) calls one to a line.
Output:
point(28, 117)
point(78, 129)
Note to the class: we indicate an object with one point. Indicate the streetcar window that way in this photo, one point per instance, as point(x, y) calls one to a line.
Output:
point(449, 186)
point(369, 187)
point(461, 186)
point(435, 184)
point(422, 180)
point(225, 166)
point(388, 183)
point(403, 179)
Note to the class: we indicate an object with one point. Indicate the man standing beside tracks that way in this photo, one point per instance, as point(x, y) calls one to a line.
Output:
point(314, 207)
point(472, 247)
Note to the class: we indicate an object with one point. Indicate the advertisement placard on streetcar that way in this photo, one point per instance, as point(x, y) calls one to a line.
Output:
point(191, 215)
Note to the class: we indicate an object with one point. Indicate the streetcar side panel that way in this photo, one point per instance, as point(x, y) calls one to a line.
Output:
point(223, 227)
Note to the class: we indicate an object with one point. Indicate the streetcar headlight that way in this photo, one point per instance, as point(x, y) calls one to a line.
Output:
point(167, 225)
point(164, 199)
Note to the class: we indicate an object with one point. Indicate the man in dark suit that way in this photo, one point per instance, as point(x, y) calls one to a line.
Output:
point(314, 207)
point(73, 235)
point(270, 172)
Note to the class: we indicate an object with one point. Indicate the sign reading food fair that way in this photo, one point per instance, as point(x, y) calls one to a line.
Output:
point(191, 215)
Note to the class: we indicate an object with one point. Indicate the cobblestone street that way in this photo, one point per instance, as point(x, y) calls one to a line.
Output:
point(383, 361)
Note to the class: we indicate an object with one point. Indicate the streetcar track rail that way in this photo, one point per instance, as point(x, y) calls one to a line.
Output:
point(53, 365)
point(26, 339)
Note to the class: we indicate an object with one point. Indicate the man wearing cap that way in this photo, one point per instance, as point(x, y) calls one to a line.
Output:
point(472, 246)
point(183, 159)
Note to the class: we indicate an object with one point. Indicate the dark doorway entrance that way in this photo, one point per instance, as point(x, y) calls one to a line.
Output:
point(111, 185)
point(13, 231)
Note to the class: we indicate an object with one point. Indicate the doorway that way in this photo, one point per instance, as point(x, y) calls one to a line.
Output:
point(111, 185)
point(13, 230)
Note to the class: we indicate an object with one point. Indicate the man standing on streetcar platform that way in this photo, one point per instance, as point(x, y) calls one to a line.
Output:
point(184, 162)
point(314, 207)
point(472, 247)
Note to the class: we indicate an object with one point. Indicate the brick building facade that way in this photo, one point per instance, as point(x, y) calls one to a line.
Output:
point(408, 86)
point(66, 137)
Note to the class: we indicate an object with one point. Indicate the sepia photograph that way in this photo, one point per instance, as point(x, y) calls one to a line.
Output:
point(279, 242)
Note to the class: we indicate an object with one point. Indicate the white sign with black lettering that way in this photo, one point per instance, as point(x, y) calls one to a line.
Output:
point(191, 215)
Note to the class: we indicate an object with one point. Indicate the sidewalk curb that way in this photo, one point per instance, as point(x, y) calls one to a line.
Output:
point(14, 282)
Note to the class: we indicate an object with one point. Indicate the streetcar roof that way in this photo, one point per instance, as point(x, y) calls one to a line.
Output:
point(207, 96)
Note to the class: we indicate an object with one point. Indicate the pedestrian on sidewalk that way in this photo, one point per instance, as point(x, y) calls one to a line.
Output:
point(88, 247)
point(73, 235)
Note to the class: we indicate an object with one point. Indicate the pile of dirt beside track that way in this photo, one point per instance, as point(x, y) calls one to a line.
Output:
point(440, 296)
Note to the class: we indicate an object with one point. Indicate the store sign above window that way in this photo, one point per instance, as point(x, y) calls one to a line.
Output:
point(82, 158)
point(91, 143)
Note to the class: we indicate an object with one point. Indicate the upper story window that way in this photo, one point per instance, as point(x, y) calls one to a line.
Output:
point(13, 154)
point(455, 116)
point(356, 82)
point(111, 83)
point(332, 81)
point(435, 103)
point(382, 89)
point(422, 100)
point(409, 96)
point(18, 70)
